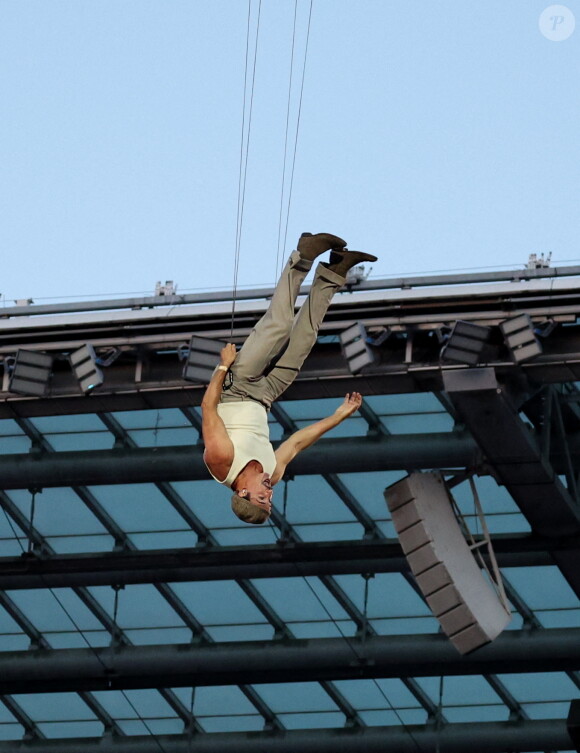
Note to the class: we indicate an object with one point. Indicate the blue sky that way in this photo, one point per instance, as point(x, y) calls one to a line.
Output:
point(437, 135)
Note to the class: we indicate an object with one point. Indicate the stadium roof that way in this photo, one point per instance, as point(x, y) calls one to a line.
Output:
point(138, 614)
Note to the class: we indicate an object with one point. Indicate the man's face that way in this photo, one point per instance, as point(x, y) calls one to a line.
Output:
point(259, 491)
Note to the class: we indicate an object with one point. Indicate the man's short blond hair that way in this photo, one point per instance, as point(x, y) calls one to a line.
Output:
point(248, 512)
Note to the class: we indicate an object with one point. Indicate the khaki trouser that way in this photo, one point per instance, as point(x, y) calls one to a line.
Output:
point(276, 348)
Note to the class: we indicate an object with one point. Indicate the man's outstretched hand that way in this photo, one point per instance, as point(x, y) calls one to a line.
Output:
point(228, 355)
point(352, 402)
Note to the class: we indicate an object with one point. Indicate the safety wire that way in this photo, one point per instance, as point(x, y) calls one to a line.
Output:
point(81, 633)
point(286, 138)
point(297, 123)
point(360, 659)
point(244, 148)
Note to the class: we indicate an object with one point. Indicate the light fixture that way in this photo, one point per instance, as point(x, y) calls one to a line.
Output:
point(30, 373)
point(355, 348)
point(520, 338)
point(465, 343)
point(202, 358)
point(84, 365)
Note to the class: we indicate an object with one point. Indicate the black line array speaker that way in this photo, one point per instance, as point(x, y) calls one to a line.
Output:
point(467, 607)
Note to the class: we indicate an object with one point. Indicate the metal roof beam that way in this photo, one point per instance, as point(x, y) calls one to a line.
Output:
point(487, 737)
point(185, 463)
point(244, 562)
point(318, 659)
point(340, 455)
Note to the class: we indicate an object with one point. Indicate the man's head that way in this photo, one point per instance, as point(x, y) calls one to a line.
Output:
point(252, 501)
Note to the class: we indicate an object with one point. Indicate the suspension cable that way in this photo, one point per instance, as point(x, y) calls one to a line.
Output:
point(286, 138)
point(244, 151)
point(298, 123)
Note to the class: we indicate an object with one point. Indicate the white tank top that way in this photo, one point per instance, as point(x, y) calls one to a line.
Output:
point(246, 423)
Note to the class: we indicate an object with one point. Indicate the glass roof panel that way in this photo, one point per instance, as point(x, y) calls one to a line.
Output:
point(182, 435)
point(165, 540)
point(56, 730)
point(46, 613)
point(287, 697)
point(138, 507)
point(312, 500)
point(377, 694)
point(320, 628)
point(330, 532)
point(79, 544)
point(54, 706)
point(67, 424)
point(389, 595)
point(543, 587)
point(405, 625)
point(292, 598)
point(158, 636)
point(388, 718)
point(559, 617)
point(14, 445)
point(540, 686)
point(133, 727)
point(11, 731)
point(459, 690)
point(243, 535)
point(218, 602)
point(419, 423)
point(8, 427)
point(218, 699)
point(139, 605)
point(252, 723)
point(57, 511)
point(369, 488)
point(476, 713)
point(75, 639)
point(413, 402)
point(312, 720)
point(7, 624)
point(547, 710)
point(5, 715)
point(151, 419)
point(225, 633)
point(90, 440)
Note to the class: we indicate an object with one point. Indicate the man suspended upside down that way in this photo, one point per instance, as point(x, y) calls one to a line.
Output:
point(238, 452)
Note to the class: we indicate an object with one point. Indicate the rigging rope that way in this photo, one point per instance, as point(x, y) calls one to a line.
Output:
point(243, 169)
point(286, 138)
point(298, 123)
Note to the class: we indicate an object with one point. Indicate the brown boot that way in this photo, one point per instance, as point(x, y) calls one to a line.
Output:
point(343, 260)
point(310, 246)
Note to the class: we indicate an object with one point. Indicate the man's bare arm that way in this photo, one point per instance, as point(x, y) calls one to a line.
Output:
point(219, 450)
point(305, 437)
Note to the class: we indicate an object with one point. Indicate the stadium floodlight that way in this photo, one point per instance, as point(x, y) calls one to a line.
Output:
point(202, 358)
point(465, 343)
point(520, 338)
point(84, 365)
point(31, 373)
point(355, 346)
